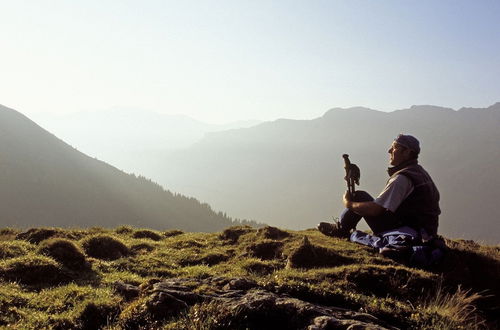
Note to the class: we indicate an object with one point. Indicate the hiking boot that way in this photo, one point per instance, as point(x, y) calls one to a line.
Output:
point(333, 230)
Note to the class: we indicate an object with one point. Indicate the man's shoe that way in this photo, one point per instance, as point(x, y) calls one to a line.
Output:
point(333, 230)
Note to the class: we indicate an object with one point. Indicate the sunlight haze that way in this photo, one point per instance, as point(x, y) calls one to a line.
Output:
point(220, 61)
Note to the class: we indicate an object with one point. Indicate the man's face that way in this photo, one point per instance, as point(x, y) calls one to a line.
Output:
point(399, 154)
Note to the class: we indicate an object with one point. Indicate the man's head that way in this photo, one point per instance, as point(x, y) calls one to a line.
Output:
point(403, 148)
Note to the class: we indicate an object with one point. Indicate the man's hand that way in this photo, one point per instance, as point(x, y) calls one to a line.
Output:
point(347, 200)
point(362, 208)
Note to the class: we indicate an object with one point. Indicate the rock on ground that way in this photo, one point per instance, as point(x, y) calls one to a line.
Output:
point(245, 305)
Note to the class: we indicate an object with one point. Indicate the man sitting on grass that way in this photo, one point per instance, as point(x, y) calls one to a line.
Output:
point(409, 201)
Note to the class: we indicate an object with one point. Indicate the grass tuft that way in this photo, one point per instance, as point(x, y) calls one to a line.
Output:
point(33, 270)
point(105, 247)
point(8, 233)
point(147, 234)
point(273, 233)
point(36, 235)
point(447, 310)
point(232, 234)
point(12, 249)
point(65, 252)
point(308, 255)
point(124, 230)
point(172, 233)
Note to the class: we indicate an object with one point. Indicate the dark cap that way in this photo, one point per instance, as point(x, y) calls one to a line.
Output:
point(409, 142)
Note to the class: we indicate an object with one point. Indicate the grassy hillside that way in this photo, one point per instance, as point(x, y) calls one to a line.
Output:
point(113, 279)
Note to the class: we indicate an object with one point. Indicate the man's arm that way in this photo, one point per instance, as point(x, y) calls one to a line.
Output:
point(369, 209)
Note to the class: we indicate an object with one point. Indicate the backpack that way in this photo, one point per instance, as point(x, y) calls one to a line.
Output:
point(404, 244)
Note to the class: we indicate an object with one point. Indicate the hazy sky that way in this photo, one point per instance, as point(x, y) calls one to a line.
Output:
point(220, 60)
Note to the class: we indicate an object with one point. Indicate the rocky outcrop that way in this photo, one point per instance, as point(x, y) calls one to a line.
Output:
point(243, 304)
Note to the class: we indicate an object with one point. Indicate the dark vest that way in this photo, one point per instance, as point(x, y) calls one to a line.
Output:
point(421, 208)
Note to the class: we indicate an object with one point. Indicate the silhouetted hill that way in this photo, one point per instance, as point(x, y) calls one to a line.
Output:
point(290, 172)
point(44, 181)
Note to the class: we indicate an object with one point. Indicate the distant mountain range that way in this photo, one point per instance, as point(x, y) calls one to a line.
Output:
point(290, 172)
point(125, 136)
point(46, 182)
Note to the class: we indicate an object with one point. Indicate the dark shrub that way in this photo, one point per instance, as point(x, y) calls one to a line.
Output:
point(147, 234)
point(36, 235)
point(105, 247)
point(33, 270)
point(65, 252)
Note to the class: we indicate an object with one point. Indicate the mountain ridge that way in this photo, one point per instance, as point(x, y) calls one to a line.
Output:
point(291, 164)
point(44, 181)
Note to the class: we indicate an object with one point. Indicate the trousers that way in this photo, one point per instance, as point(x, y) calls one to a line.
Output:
point(384, 222)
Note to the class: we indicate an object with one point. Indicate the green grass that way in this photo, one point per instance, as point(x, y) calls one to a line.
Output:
point(39, 288)
point(12, 249)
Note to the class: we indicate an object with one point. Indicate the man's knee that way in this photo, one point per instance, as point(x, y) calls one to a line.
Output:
point(362, 196)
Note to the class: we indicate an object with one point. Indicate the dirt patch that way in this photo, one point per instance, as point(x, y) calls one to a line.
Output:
point(105, 247)
point(273, 233)
point(311, 256)
point(65, 252)
point(232, 234)
point(147, 234)
point(266, 250)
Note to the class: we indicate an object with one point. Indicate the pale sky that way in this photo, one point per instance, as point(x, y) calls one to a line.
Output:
point(220, 61)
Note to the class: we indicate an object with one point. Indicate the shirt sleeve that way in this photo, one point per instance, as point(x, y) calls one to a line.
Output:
point(394, 193)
